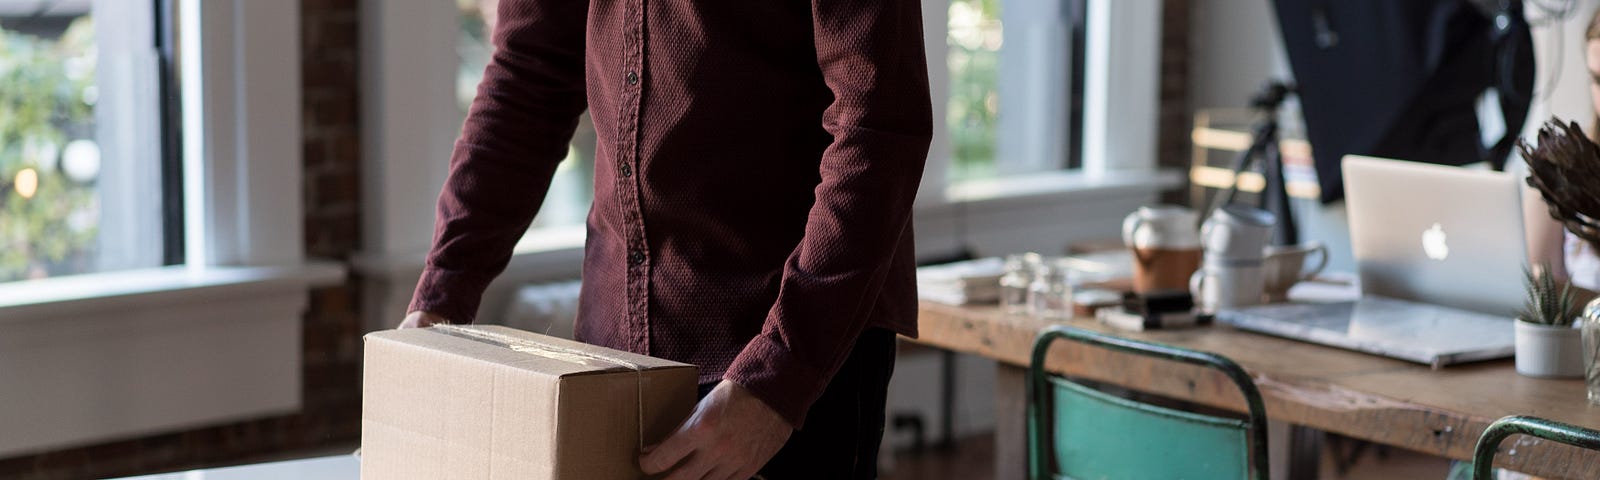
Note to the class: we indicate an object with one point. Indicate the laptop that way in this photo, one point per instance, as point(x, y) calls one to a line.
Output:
point(1449, 236)
point(1440, 254)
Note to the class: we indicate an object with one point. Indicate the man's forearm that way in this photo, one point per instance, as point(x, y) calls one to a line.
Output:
point(871, 57)
point(515, 134)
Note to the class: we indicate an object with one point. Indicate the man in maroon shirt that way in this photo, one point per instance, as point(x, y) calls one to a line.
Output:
point(754, 175)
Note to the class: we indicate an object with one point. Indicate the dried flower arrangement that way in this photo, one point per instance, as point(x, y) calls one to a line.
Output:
point(1565, 168)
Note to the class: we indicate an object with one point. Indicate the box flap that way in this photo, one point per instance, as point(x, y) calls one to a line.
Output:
point(532, 352)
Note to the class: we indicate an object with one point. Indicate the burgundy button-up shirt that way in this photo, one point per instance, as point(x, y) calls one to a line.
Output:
point(755, 171)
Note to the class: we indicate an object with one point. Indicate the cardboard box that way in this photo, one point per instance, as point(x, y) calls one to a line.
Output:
point(490, 402)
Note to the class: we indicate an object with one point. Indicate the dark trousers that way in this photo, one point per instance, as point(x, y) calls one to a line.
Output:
point(845, 426)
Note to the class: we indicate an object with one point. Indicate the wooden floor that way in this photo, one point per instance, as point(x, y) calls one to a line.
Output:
point(973, 459)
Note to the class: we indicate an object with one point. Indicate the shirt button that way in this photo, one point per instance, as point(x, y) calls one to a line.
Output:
point(633, 78)
point(635, 257)
point(627, 171)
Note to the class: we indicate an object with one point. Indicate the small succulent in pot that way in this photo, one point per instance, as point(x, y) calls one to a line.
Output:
point(1551, 302)
point(1546, 343)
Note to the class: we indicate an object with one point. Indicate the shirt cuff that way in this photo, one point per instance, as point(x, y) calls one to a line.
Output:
point(449, 294)
point(771, 372)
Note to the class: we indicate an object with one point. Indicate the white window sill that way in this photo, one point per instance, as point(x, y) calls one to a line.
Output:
point(1048, 187)
point(135, 289)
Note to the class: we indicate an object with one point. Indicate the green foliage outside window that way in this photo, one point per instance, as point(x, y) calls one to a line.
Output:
point(46, 101)
point(974, 40)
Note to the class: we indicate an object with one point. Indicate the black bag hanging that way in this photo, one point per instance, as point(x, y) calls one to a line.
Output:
point(1401, 78)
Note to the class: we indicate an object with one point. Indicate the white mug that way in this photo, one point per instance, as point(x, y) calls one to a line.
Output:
point(1236, 232)
point(1221, 287)
point(1161, 226)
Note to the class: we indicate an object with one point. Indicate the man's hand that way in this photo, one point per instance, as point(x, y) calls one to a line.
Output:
point(730, 436)
point(421, 319)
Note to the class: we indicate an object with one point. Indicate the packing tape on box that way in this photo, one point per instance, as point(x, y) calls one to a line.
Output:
point(553, 352)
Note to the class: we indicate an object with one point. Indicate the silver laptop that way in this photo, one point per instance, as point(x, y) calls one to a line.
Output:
point(1440, 252)
point(1447, 236)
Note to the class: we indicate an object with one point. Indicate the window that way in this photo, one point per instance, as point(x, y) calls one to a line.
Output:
point(88, 178)
point(572, 189)
point(1016, 86)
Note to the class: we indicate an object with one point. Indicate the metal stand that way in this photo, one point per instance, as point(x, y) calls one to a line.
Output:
point(1264, 145)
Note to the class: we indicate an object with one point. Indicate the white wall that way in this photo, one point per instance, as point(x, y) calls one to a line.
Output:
point(1234, 48)
point(1560, 51)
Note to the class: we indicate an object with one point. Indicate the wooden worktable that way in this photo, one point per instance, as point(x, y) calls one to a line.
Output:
point(1386, 401)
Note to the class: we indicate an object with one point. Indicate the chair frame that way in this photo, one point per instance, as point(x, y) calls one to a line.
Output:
point(1038, 390)
point(1489, 443)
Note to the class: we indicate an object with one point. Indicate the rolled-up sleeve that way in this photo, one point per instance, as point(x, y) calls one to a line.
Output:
point(871, 56)
point(515, 134)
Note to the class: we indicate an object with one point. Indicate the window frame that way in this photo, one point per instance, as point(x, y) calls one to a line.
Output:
point(238, 141)
point(171, 121)
point(165, 333)
point(241, 165)
point(129, 77)
point(1122, 42)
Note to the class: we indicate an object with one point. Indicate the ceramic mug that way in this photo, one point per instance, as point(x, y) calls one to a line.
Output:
point(1236, 232)
point(1221, 287)
point(1165, 246)
point(1285, 265)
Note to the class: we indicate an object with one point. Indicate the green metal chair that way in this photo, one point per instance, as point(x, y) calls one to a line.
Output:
point(1088, 434)
point(1489, 443)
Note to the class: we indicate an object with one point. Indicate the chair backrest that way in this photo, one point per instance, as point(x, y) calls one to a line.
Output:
point(1090, 434)
point(1489, 443)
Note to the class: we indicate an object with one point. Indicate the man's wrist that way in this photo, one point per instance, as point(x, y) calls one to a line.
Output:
point(771, 373)
point(741, 391)
point(450, 294)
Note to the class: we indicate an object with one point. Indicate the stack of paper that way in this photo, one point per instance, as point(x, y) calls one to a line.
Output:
point(961, 283)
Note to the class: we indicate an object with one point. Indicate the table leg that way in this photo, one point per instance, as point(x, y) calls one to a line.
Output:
point(1010, 429)
point(1305, 452)
point(947, 404)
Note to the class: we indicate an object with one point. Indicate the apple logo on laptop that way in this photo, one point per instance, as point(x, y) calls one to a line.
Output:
point(1433, 243)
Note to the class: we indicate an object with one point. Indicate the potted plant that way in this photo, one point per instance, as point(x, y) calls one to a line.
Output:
point(1547, 343)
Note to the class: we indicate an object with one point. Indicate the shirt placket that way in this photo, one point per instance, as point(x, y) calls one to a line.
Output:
point(628, 166)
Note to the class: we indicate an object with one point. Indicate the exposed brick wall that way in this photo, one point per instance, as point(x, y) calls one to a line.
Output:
point(330, 419)
point(1173, 149)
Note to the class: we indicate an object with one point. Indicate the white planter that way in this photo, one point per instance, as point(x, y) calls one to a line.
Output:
point(1547, 351)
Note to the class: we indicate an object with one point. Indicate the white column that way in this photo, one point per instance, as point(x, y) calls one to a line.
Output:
point(242, 143)
point(1121, 96)
point(409, 122)
point(409, 119)
point(935, 23)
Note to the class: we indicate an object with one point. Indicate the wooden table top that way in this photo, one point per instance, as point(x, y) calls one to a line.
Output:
point(1441, 412)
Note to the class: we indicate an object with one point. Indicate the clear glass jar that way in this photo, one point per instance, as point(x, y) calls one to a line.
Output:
point(1591, 349)
point(1050, 294)
point(1014, 281)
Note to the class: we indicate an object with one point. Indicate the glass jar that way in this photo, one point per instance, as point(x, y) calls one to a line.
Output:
point(1014, 281)
point(1050, 294)
point(1591, 349)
